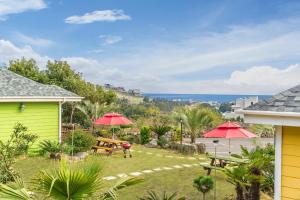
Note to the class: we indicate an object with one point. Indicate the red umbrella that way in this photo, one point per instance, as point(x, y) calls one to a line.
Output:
point(113, 119)
point(229, 130)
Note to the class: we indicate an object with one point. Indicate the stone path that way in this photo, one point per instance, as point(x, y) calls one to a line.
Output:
point(168, 156)
point(155, 170)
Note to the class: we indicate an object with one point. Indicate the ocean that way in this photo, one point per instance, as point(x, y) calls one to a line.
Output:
point(220, 98)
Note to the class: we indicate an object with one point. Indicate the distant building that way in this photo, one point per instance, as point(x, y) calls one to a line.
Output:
point(240, 104)
point(108, 86)
point(135, 92)
point(120, 89)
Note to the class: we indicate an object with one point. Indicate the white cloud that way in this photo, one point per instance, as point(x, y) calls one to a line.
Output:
point(266, 78)
point(17, 6)
point(99, 15)
point(238, 46)
point(38, 42)
point(95, 71)
point(110, 39)
point(9, 51)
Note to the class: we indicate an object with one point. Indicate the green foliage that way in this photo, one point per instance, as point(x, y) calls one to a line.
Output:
point(15, 191)
point(18, 143)
point(197, 119)
point(82, 141)
point(225, 107)
point(204, 184)
point(65, 183)
point(92, 110)
point(152, 195)
point(162, 141)
point(160, 128)
point(265, 131)
point(145, 135)
point(27, 68)
point(69, 182)
point(48, 146)
point(255, 175)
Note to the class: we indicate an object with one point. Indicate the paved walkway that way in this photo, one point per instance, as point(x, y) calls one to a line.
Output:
point(159, 169)
point(155, 170)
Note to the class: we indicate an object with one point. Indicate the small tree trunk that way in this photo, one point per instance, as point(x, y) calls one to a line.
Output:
point(255, 185)
point(203, 195)
point(239, 192)
point(193, 138)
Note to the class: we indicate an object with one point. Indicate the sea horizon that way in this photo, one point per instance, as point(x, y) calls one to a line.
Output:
point(220, 98)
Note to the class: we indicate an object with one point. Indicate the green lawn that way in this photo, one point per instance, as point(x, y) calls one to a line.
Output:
point(175, 180)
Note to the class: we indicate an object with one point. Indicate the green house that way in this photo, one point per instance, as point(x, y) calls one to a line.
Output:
point(35, 105)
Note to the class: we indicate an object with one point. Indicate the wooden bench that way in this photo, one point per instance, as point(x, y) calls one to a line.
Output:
point(209, 168)
point(107, 149)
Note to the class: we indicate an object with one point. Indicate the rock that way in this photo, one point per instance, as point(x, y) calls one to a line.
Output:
point(81, 155)
point(152, 143)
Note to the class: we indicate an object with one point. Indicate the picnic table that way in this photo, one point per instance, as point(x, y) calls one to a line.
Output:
point(220, 162)
point(108, 145)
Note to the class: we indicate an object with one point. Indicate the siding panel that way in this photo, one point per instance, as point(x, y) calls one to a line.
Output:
point(40, 118)
point(290, 182)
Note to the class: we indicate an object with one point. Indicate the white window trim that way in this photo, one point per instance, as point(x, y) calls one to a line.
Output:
point(278, 163)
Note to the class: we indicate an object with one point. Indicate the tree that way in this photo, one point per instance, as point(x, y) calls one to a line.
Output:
point(261, 161)
point(197, 119)
point(204, 184)
point(92, 110)
point(27, 68)
point(239, 176)
point(160, 128)
point(154, 196)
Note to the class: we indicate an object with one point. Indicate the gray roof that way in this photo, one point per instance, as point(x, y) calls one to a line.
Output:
point(14, 85)
point(286, 101)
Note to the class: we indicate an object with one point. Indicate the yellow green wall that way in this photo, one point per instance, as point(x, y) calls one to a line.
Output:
point(290, 163)
point(40, 118)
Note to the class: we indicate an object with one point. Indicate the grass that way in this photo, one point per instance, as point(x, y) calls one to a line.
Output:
point(175, 180)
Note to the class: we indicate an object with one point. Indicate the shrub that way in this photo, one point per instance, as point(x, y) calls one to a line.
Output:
point(162, 141)
point(18, 143)
point(48, 146)
point(204, 184)
point(81, 142)
point(145, 135)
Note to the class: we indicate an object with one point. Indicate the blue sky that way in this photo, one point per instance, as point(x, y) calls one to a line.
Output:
point(182, 46)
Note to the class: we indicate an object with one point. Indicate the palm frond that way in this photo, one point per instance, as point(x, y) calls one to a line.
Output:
point(69, 183)
point(111, 193)
point(14, 191)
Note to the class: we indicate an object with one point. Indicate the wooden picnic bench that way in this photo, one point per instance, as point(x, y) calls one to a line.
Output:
point(220, 162)
point(108, 145)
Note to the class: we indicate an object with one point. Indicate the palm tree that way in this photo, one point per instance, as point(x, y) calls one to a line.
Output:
point(239, 176)
point(197, 119)
point(204, 184)
point(67, 183)
point(160, 129)
point(154, 196)
point(93, 110)
point(261, 160)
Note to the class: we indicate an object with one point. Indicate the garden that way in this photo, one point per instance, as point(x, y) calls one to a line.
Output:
point(163, 165)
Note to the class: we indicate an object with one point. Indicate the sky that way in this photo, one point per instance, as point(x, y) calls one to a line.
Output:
point(161, 46)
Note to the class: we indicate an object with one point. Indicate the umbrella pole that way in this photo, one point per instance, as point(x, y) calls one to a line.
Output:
point(229, 147)
point(113, 136)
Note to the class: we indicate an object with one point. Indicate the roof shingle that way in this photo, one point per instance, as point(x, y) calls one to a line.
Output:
point(286, 101)
point(14, 85)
